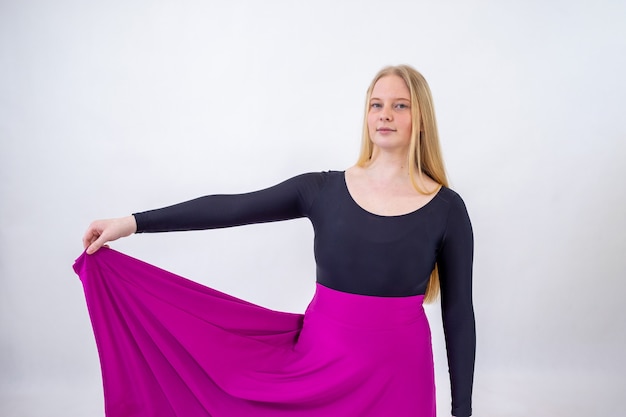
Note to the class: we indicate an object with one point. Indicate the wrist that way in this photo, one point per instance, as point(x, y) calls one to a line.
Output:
point(130, 224)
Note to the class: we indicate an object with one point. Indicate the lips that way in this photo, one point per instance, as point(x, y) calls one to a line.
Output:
point(385, 129)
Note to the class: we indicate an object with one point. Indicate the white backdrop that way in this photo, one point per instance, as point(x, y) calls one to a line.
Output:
point(112, 107)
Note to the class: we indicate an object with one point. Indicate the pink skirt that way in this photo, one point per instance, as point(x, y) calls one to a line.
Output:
point(172, 347)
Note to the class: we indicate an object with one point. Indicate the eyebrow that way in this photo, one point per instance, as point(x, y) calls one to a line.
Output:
point(396, 98)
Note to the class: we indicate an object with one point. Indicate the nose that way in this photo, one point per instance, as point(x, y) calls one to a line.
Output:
point(385, 114)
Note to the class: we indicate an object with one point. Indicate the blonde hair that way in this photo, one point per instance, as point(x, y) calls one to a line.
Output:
point(424, 156)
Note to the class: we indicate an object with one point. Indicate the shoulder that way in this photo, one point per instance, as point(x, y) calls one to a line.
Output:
point(457, 217)
point(453, 206)
point(450, 197)
point(310, 185)
point(317, 178)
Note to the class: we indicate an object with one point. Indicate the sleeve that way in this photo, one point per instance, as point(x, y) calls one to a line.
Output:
point(288, 200)
point(455, 274)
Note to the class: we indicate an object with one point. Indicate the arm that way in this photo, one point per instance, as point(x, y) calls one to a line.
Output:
point(287, 200)
point(455, 273)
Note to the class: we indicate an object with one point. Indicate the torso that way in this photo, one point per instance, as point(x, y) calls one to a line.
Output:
point(362, 251)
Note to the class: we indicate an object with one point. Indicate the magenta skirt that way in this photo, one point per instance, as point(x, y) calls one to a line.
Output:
point(172, 347)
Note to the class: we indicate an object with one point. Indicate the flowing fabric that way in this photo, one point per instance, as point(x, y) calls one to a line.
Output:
point(171, 347)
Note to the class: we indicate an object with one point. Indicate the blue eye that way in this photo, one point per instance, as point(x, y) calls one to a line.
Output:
point(402, 106)
point(375, 105)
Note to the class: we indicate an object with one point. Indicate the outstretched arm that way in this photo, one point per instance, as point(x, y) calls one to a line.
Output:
point(287, 200)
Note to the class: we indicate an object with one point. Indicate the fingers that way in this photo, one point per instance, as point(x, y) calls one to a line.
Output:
point(102, 231)
point(89, 237)
point(95, 236)
point(96, 245)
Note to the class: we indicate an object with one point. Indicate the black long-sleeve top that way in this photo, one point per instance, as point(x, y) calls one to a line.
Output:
point(360, 252)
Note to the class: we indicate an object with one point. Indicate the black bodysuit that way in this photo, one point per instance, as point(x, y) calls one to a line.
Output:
point(362, 253)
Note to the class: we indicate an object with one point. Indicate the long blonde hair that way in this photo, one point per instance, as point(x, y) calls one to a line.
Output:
point(424, 156)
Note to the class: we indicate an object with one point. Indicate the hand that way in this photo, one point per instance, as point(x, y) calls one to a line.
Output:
point(102, 231)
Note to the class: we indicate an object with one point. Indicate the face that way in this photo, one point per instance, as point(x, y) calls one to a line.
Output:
point(389, 115)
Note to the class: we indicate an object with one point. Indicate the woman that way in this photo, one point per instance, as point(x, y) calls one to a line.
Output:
point(388, 232)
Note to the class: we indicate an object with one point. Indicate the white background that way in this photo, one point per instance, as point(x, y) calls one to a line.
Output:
point(107, 108)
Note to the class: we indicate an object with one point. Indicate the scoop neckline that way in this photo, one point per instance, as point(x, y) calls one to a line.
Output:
point(417, 210)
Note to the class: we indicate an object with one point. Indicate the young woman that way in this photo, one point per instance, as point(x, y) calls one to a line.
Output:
point(388, 234)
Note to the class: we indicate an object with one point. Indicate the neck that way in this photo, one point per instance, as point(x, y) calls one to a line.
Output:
point(389, 165)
